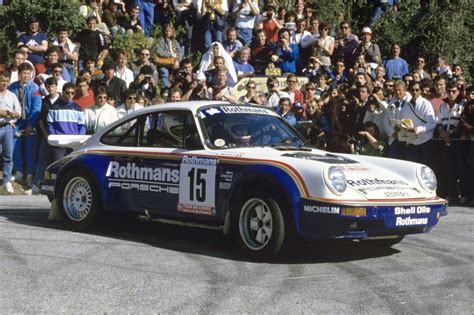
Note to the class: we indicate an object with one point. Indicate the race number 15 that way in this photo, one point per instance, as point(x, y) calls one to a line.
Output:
point(197, 184)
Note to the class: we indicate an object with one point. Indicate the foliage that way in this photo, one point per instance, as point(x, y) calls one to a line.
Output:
point(443, 28)
point(52, 14)
point(131, 43)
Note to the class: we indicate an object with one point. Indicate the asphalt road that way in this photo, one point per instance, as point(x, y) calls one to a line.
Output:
point(139, 267)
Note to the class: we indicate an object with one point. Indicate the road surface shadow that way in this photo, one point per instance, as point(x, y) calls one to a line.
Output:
point(205, 242)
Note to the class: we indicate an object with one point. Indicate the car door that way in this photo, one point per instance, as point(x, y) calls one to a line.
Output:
point(183, 178)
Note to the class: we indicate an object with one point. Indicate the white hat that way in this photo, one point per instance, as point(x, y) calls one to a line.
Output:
point(284, 95)
point(366, 30)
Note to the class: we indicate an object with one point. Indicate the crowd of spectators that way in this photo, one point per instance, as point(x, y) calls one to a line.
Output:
point(339, 90)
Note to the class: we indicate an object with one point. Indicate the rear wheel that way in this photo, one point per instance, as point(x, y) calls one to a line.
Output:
point(78, 200)
point(258, 225)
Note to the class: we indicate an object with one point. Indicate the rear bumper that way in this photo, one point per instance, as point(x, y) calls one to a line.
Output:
point(320, 219)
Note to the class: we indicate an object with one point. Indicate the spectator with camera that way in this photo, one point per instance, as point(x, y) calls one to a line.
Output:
point(144, 60)
point(367, 141)
point(251, 95)
point(285, 52)
point(271, 24)
point(69, 51)
point(144, 84)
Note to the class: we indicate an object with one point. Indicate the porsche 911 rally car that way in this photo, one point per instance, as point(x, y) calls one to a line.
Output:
point(241, 169)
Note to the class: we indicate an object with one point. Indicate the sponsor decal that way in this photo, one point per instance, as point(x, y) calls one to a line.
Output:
point(326, 158)
point(321, 209)
point(395, 194)
point(196, 209)
point(354, 167)
point(245, 110)
point(130, 176)
point(410, 221)
point(198, 160)
point(225, 186)
point(197, 185)
point(375, 182)
point(234, 110)
point(411, 210)
point(47, 188)
point(132, 171)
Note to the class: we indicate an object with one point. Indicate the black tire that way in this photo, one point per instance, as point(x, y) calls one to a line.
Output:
point(258, 225)
point(78, 200)
point(389, 242)
point(50, 198)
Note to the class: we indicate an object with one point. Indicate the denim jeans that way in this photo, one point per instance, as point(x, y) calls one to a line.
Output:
point(164, 75)
point(44, 159)
point(146, 15)
point(245, 35)
point(24, 154)
point(6, 147)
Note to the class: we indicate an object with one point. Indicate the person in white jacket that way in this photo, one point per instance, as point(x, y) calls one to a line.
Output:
point(101, 114)
point(413, 143)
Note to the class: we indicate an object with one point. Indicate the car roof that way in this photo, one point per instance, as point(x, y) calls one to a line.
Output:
point(190, 105)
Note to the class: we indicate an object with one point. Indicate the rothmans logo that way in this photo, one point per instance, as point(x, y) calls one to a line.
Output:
point(132, 171)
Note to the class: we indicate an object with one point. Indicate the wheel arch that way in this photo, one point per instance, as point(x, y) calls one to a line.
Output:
point(82, 168)
point(270, 185)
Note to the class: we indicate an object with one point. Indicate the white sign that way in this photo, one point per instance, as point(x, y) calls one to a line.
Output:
point(197, 183)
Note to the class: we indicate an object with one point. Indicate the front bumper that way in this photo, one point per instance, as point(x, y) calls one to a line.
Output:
point(46, 187)
point(323, 219)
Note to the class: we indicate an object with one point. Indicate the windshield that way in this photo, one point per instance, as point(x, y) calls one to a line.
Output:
point(246, 126)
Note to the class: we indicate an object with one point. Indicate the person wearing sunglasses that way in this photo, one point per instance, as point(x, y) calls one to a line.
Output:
point(65, 117)
point(101, 114)
point(251, 95)
point(454, 148)
point(129, 105)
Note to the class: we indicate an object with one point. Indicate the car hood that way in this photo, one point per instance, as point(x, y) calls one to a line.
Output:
point(368, 178)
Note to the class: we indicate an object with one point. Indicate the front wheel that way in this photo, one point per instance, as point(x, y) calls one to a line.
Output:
point(78, 200)
point(258, 226)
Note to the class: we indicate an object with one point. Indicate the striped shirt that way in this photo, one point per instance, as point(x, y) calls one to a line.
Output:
point(66, 118)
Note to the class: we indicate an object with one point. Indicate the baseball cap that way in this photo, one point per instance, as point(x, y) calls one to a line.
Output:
point(366, 30)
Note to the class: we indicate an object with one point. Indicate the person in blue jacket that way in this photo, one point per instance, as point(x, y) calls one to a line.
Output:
point(29, 96)
point(286, 52)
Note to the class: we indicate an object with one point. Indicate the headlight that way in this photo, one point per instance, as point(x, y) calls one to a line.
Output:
point(336, 180)
point(427, 178)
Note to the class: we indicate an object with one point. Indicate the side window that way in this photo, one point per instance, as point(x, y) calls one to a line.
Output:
point(171, 129)
point(125, 134)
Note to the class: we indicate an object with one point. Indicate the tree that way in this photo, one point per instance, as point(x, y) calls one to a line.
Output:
point(52, 14)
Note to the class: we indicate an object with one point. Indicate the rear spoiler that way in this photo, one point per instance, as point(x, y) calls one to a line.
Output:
point(68, 141)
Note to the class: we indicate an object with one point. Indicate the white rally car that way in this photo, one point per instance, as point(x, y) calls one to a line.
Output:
point(241, 169)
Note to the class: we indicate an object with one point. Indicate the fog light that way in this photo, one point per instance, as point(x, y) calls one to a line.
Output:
point(46, 175)
point(354, 212)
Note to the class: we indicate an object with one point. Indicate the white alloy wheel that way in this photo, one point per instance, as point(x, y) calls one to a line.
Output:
point(256, 224)
point(77, 199)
